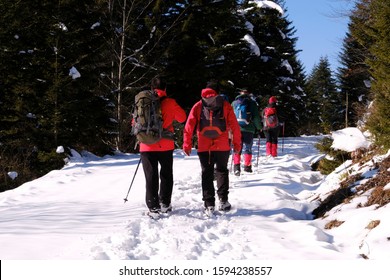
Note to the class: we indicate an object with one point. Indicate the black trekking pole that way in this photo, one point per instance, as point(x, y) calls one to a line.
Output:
point(125, 199)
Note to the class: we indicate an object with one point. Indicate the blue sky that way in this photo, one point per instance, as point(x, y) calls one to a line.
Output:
point(320, 29)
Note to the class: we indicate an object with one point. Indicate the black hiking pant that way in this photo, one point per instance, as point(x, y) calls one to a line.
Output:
point(272, 135)
point(158, 192)
point(207, 162)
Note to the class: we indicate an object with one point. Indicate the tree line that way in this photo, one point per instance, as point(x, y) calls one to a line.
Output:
point(69, 71)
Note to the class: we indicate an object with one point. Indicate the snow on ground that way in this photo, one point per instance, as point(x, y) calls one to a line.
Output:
point(78, 213)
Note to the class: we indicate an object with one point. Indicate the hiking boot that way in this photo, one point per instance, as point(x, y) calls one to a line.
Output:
point(154, 213)
point(237, 169)
point(248, 168)
point(224, 206)
point(166, 208)
point(209, 211)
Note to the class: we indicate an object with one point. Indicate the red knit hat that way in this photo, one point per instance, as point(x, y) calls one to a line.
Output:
point(272, 100)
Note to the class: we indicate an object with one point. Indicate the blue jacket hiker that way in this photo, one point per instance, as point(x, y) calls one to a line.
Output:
point(248, 117)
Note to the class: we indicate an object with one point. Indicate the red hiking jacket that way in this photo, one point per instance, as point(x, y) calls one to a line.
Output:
point(206, 144)
point(170, 111)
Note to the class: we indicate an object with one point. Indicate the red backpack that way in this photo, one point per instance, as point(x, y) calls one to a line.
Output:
point(270, 118)
point(212, 122)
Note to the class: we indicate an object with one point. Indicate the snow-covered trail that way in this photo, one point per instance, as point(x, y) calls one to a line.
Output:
point(78, 212)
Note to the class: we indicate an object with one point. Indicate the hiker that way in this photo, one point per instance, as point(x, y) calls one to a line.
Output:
point(271, 127)
point(158, 194)
point(212, 117)
point(248, 117)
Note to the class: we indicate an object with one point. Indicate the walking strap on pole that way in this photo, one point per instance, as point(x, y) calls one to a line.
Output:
point(125, 199)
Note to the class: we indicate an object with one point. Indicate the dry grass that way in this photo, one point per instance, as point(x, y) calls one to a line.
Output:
point(335, 198)
point(373, 224)
point(378, 195)
point(333, 224)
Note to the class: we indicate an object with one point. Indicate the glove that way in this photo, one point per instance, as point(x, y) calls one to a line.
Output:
point(187, 151)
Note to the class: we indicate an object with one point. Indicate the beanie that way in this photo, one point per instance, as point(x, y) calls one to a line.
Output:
point(272, 100)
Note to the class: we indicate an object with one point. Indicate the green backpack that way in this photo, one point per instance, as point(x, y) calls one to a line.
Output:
point(147, 117)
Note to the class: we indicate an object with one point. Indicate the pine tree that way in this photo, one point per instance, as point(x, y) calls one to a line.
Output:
point(22, 70)
point(379, 61)
point(355, 80)
point(207, 44)
point(324, 105)
point(81, 118)
point(371, 19)
point(42, 42)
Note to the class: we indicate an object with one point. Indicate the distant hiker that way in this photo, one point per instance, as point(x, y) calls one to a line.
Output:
point(158, 194)
point(213, 117)
point(247, 113)
point(271, 127)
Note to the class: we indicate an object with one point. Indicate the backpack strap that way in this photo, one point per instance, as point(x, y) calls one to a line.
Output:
point(166, 133)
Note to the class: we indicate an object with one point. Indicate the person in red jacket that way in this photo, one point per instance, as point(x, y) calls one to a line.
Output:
point(271, 133)
point(213, 151)
point(158, 196)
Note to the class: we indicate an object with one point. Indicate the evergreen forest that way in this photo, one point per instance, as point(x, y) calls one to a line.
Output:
point(69, 71)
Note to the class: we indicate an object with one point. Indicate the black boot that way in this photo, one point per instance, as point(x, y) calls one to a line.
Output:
point(237, 169)
point(248, 168)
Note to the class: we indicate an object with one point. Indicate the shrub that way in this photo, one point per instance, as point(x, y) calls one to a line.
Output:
point(334, 157)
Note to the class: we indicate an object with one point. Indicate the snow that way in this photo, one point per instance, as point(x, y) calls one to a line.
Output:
point(255, 49)
point(287, 65)
point(60, 150)
point(252, 44)
point(79, 213)
point(265, 4)
point(13, 175)
point(74, 73)
point(62, 26)
point(349, 139)
point(95, 25)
